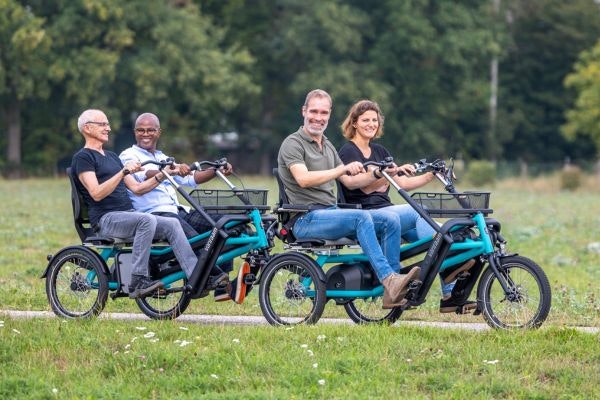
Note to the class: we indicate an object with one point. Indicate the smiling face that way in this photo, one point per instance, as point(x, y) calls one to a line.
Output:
point(147, 132)
point(316, 115)
point(367, 125)
point(96, 127)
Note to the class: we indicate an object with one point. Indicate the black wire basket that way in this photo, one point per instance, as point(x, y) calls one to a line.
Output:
point(220, 201)
point(453, 205)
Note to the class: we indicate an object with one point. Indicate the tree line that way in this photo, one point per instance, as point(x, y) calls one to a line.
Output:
point(493, 79)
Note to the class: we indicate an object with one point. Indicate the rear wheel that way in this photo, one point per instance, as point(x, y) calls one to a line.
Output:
point(528, 302)
point(292, 290)
point(76, 284)
point(369, 311)
point(167, 303)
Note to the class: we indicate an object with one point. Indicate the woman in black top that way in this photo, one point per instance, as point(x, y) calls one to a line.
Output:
point(364, 123)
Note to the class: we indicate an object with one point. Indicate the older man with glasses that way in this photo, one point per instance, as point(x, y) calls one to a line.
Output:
point(103, 181)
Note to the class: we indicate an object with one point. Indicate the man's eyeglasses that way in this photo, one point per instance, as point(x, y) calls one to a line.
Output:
point(102, 124)
point(149, 130)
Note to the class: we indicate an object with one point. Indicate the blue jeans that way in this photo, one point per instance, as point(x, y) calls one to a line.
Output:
point(414, 227)
point(143, 228)
point(335, 223)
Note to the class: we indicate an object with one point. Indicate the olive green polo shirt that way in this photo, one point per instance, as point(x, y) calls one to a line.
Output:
point(300, 148)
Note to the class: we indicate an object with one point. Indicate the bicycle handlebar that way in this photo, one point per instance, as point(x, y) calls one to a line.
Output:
point(220, 163)
point(161, 164)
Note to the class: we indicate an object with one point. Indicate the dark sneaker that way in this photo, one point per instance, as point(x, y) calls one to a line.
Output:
point(224, 293)
point(142, 286)
point(449, 275)
point(450, 306)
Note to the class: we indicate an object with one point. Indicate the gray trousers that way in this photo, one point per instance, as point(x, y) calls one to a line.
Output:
point(143, 228)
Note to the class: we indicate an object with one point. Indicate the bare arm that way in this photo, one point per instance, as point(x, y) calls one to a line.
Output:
point(306, 178)
point(413, 182)
point(99, 191)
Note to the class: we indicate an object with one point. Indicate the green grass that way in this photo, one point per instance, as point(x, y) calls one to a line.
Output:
point(50, 358)
point(553, 228)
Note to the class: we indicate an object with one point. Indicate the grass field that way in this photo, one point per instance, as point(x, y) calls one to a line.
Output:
point(109, 359)
point(97, 359)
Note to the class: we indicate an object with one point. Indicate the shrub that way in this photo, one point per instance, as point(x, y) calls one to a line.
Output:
point(571, 177)
point(481, 173)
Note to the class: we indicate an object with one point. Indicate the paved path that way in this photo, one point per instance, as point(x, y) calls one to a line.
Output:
point(253, 320)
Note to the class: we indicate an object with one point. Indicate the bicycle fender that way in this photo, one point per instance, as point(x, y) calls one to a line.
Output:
point(87, 250)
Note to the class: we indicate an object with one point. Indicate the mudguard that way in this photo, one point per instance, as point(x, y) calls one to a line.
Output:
point(85, 249)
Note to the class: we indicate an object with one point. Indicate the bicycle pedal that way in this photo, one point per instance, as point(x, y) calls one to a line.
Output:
point(414, 284)
point(249, 278)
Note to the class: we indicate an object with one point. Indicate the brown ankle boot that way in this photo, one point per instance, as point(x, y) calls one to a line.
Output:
point(395, 287)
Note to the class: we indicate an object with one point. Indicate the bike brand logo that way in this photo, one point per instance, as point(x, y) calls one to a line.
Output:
point(211, 239)
point(437, 240)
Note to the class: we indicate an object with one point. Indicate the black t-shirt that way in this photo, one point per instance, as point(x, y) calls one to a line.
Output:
point(350, 152)
point(105, 167)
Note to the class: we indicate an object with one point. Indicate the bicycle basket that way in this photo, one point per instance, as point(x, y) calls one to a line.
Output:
point(453, 205)
point(218, 201)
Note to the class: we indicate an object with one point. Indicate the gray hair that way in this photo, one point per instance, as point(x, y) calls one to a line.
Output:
point(317, 93)
point(86, 116)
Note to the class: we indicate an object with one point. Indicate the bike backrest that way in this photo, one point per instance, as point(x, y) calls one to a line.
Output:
point(283, 197)
point(80, 211)
point(341, 199)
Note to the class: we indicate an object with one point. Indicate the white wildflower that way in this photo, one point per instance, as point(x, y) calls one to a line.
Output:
point(140, 328)
point(310, 353)
point(492, 362)
point(127, 346)
point(184, 343)
point(304, 346)
point(315, 365)
point(54, 391)
point(236, 340)
point(16, 331)
point(321, 337)
point(154, 340)
point(321, 382)
point(214, 376)
point(184, 328)
point(149, 335)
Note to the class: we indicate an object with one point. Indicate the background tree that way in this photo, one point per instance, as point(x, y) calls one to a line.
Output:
point(584, 117)
point(548, 35)
point(24, 50)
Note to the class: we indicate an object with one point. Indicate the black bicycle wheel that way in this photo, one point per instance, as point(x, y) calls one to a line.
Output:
point(369, 311)
point(76, 284)
point(529, 299)
point(292, 290)
point(167, 303)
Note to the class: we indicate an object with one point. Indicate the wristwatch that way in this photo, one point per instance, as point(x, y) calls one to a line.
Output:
point(125, 171)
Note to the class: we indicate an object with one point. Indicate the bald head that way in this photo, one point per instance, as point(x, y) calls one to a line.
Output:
point(148, 119)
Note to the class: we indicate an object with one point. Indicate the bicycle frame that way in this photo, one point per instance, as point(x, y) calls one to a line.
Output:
point(210, 254)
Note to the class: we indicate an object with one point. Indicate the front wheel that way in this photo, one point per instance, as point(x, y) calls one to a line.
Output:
point(167, 303)
point(292, 290)
point(370, 311)
point(528, 301)
point(76, 284)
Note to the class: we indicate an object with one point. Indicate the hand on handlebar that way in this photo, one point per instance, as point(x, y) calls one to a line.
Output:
point(133, 166)
point(354, 168)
